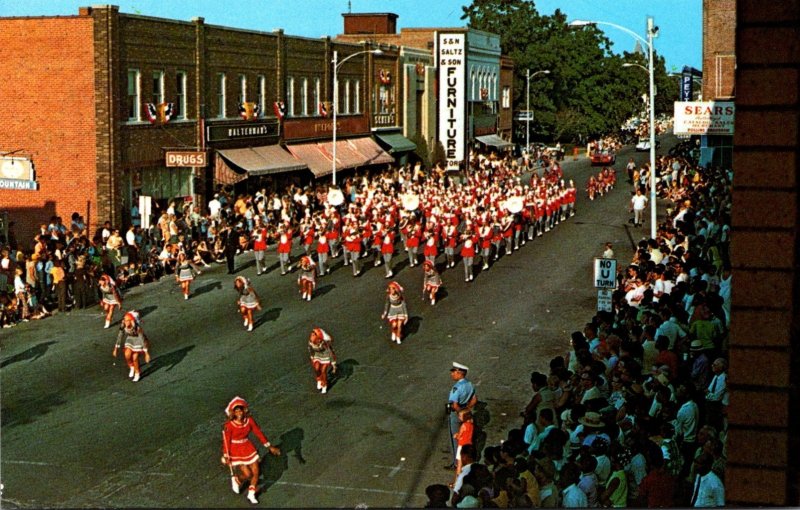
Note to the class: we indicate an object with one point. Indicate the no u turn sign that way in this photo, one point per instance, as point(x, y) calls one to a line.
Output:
point(605, 273)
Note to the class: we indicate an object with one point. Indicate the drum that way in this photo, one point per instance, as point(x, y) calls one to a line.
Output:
point(514, 204)
point(410, 202)
point(335, 197)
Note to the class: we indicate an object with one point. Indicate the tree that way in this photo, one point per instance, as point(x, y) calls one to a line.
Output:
point(586, 83)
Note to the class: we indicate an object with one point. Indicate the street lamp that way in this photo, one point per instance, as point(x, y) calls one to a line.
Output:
point(652, 32)
point(336, 65)
point(528, 109)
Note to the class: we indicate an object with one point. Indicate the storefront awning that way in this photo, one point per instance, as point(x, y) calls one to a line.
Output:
point(263, 160)
point(352, 153)
point(396, 142)
point(310, 154)
point(494, 141)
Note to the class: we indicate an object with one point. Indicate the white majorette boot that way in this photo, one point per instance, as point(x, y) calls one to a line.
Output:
point(251, 495)
point(131, 372)
point(235, 485)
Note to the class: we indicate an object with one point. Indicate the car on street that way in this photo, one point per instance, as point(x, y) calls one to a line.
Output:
point(643, 144)
point(603, 157)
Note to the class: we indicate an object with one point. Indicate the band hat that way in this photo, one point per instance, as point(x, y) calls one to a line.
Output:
point(236, 402)
point(459, 366)
point(697, 345)
point(663, 379)
point(591, 419)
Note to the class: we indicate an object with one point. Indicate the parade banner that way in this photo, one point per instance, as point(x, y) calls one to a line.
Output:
point(704, 118)
point(452, 61)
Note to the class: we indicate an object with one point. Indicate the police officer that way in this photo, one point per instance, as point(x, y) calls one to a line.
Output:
point(462, 396)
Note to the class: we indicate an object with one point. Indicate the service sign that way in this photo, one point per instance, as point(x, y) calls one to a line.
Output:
point(186, 158)
point(17, 173)
point(704, 117)
point(605, 273)
point(452, 62)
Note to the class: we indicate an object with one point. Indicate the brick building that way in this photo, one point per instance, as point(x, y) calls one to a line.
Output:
point(719, 72)
point(483, 79)
point(82, 121)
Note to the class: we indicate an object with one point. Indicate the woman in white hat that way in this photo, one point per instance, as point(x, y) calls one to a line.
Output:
point(135, 343)
point(238, 450)
point(248, 300)
point(395, 310)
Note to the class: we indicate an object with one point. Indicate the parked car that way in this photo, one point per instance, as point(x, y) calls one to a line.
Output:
point(603, 157)
point(644, 144)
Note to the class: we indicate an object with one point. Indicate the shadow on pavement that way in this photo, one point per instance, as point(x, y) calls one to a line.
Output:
point(268, 316)
point(32, 354)
point(26, 411)
point(321, 291)
point(344, 370)
point(272, 467)
point(206, 288)
point(166, 360)
point(413, 325)
point(146, 310)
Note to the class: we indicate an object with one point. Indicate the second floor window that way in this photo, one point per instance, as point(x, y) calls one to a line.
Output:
point(317, 97)
point(290, 98)
point(180, 95)
point(221, 96)
point(262, 95)
point(506, 100)
point(304, 97)
point(242, 88)
point(158, 87)
point(134, 99)
point(357, 97)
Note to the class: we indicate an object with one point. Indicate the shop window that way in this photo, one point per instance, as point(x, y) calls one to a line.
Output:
point(167, 183)
point(180, 95)
point(134, 98)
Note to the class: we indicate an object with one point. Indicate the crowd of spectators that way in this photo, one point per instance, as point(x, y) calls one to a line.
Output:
point(635, 413)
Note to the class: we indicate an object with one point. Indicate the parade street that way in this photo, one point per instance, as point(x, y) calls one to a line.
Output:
point(76, 432)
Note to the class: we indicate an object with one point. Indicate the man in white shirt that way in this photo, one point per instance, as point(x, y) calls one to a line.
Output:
point(717, 394)
point(572, 496)
point(638, 204)
point(708, 488)
point(214, 206)
point(468, 455)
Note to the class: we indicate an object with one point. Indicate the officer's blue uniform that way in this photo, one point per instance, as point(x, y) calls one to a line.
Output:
point(461, 393)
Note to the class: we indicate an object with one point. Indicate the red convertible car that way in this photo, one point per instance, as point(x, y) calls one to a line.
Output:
point(604, 157)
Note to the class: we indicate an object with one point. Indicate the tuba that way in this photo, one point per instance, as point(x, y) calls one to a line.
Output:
point(514, 204)
point(410, 202)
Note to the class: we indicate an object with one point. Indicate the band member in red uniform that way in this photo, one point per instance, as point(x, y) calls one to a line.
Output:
point(323, 249)
point(248, 300)
point(387, 250)
point(450, 234)
point(412, 242)
point(259, 236)
point(135, 342)
point(431, 250)
point(284, 247)
point(468, 252)
point(485, 233)
point(307, 233)
point(431, 281)
point(307, 281)
point(395, 311)
point(352, 244)
point(111, 297)
point(322, 356)
point(237, 449)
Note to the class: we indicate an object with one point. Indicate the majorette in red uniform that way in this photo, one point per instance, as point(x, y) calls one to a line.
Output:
point(238, 451)
point(248, 300)
point(259, 236)
point(352, 243)
point(322, 356)
point(323, 249)
point(431, 249)
point(307, 281)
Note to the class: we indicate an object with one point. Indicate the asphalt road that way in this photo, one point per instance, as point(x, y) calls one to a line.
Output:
point(76, 432)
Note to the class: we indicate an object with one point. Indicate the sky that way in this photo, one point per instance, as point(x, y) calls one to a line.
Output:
point(680, 22)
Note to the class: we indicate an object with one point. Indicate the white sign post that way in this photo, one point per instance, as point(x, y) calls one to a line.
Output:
point(452, 62)
point(605, 273)
point(604, 302)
